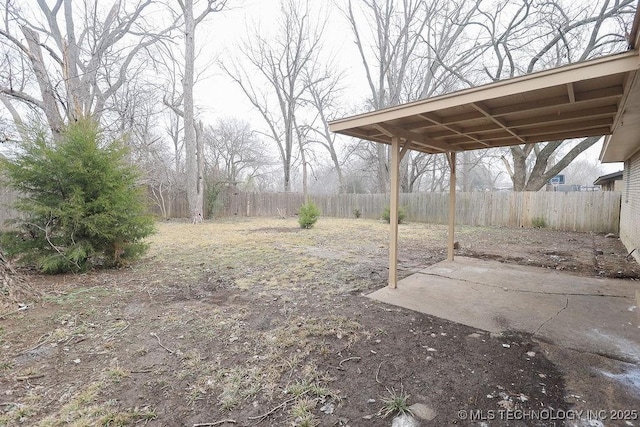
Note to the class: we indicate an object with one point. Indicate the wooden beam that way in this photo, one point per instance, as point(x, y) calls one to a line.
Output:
point(393, 213)
point(566, 127)
point(490, 139)
point(554, 102)
point(607, 92)
point(451, 128)
point(601, 131)
point(487, 112)
point(431, 117)
point(367, 137)
point(422, 148)
point(604, 111)
point(383, 130)
point(404, 150)
point(452, 203)
point(571, 93)
point(387, 131)
point(412, 136)
point(449, 120)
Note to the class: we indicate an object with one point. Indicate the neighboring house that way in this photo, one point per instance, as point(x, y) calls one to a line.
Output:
point(610, 182)
point(568, 188)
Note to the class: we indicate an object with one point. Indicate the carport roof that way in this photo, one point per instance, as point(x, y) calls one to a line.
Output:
point(591, 98)
point(572, 101)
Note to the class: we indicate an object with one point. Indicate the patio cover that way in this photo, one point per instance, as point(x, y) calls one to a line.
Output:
point(573, 101)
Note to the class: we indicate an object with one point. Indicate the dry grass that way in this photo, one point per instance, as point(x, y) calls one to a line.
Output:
point(270, 257)
point(85, 407)
point(223, 315)
point(275, 253)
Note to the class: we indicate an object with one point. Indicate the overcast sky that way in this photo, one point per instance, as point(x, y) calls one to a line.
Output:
point(217, 96)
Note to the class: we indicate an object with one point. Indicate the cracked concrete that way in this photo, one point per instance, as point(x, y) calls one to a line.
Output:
point(580, 313)
point(553, 317)
point(589, 327)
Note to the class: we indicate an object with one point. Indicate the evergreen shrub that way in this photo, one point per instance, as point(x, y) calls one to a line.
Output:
point(81, 203)
point(308, 215)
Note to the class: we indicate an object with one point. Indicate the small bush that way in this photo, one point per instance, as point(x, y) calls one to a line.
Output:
point(357, 213)
point(308, 215)
point(386, 214)
point(539, 222)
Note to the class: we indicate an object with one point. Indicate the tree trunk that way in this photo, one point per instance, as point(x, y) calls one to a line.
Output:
point(200, 184)
point(47, 91)
point(305, 179)
point(303, 158)
point(342, 186)
point(466, 171)
point(542, 172)
point(404, 174)
point(287, 180)
point(383, 168)
point(519, 175)
point(194, 190)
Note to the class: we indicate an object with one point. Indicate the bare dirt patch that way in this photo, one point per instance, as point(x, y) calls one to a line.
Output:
point(260, 323)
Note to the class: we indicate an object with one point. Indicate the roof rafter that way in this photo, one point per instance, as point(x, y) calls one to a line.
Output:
point(484, 110)
point(455, 129)
point(571, 93)
point(416, 137)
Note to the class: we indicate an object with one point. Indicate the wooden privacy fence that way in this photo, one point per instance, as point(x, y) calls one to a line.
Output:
point(573, 211)
point(597, 211)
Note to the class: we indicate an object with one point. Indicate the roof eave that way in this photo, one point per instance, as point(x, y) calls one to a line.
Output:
point(623, 62)
point(623, 142)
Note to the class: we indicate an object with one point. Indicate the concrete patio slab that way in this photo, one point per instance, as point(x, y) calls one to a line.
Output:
point(599, 316)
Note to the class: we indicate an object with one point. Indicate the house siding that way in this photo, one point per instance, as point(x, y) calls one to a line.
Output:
point(630, 209)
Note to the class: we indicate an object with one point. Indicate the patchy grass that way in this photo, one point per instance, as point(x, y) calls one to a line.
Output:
point(258, 321)
point(395, 403)
point(82, 408)
point(274, 254)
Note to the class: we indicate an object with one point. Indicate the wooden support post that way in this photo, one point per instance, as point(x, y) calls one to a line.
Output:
point(393, 213)
point(452, 203)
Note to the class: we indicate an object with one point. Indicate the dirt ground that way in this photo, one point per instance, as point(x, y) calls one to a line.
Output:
point(257, 322)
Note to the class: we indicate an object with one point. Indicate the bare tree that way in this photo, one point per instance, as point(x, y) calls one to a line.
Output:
point(323, 91)
point(530, 36)
point(281, 64)
point(64, 70)
point(162, 181)
point(234, 150)
point(419, 50)
point(169, 63)
point(479, 170)
point(583, 172)
point(194, 150)
point(396, 37)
